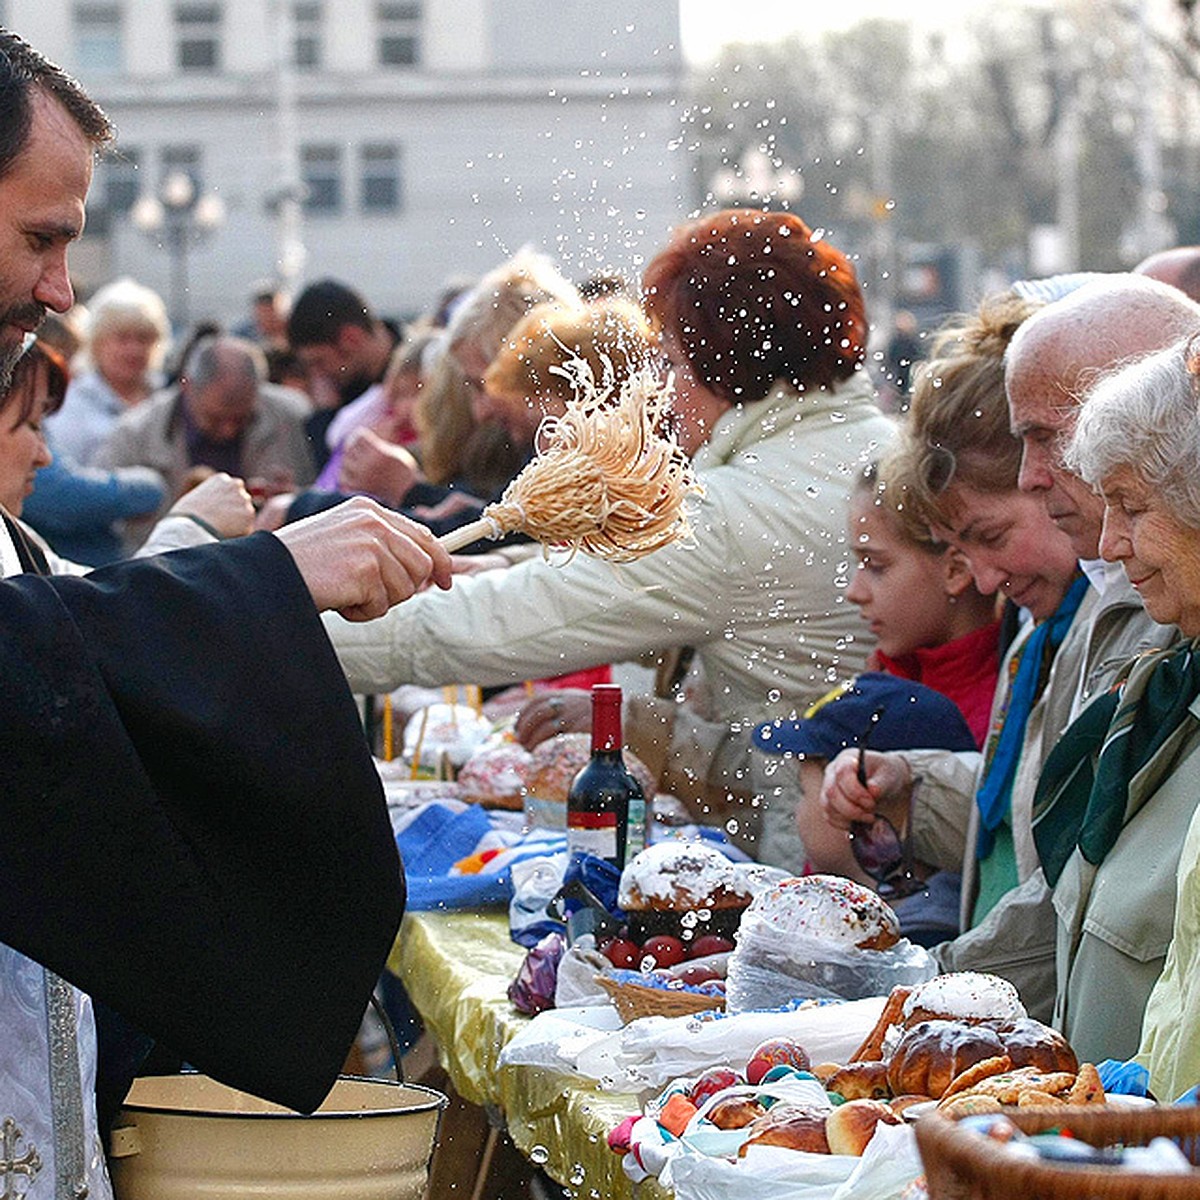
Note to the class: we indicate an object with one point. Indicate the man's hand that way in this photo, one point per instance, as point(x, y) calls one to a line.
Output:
point(845, 801)
point(562, 710)
point(220, 501)
point(369, 464)
point(359, 558)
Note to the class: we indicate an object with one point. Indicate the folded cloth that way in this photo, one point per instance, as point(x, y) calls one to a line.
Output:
point(436, 838)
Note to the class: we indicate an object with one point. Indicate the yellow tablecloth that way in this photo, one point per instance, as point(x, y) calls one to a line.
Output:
point(457, 968)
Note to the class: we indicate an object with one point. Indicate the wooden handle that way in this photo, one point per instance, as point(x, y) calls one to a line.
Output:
point(464, 535)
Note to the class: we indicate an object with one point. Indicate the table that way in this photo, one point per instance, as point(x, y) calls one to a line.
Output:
point(456, 967)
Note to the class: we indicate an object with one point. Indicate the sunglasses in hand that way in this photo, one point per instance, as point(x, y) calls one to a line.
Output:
point(881, 853)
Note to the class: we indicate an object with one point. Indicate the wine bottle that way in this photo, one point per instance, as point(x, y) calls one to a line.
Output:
point(606, 808)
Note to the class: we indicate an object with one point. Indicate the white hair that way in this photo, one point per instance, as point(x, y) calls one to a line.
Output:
point(126, 304)
point(1146, 417)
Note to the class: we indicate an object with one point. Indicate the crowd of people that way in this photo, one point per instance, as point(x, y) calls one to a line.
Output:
point(967, 626)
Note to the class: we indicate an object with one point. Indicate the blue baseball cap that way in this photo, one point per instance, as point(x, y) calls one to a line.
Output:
point(888, 712)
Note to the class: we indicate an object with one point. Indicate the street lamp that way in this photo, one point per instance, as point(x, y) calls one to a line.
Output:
point(177, 218)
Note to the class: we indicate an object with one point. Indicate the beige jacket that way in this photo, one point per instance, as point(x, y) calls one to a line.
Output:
point(1017, 939)
point(756, 592)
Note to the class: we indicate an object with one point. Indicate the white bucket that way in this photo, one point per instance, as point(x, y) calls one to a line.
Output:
point(187, 1137)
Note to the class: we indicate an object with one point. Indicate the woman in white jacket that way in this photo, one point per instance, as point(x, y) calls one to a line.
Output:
point(764, 330)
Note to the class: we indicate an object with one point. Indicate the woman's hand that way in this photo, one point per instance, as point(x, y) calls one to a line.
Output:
point(220, 501)
point(562, 710)
point(379, 468)
point(846, 801)
point(359, 558)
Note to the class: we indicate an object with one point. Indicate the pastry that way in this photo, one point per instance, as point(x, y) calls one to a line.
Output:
point(932, 1054)
point(735, 1112)
point(849, 1127)
point(968, 996)
point(679, 876)
point(859, 1081)
point(829, 909)
point(495, 776)
point(555, 762)
point(1029, 1043)
point(791, 1126)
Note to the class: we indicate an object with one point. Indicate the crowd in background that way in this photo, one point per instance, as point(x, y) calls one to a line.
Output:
point(995, 515)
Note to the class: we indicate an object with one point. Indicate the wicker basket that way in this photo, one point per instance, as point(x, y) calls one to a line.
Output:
point(635, 1000)
point(963, 1166)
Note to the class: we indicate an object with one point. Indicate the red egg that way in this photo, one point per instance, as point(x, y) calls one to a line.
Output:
point(694, 973)
point(710, 943)
point(775, 1052)
point(622, 953)
point(715, 1079)
point(665, 950)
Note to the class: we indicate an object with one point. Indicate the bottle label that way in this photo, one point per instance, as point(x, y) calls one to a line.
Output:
point(593, 833)
point(635, 832)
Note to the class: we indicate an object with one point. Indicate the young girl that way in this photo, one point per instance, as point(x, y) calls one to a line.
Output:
point(931, 623)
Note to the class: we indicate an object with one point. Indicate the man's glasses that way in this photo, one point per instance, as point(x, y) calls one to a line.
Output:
point(877, 846)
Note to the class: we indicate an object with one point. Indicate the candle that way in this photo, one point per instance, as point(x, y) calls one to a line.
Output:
point(388, 747)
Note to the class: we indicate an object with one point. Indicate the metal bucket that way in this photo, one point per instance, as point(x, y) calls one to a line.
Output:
point(187, 1137)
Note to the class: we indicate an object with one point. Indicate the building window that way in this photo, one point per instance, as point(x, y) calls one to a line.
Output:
point(122, 179)
point(98, 49)
point(306, 46)
point(198, 37)
point(399, 23)
point(321, 168)
point(380, 183)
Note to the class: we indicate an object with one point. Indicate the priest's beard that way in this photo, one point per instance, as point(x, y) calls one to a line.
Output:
point(18, 315)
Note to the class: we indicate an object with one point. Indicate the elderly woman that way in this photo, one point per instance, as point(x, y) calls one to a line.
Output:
point(765, 331)
point(128, 332)
point(1110, 829)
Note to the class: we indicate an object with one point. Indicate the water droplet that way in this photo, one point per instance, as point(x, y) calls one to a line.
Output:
point(837, 417)
point(539, 1156)
point(812, 491)
point(774, 696)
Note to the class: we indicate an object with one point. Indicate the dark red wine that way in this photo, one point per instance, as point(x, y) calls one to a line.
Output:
point(606, 808)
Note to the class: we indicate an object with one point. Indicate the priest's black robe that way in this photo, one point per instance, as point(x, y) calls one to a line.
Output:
point(191, 827)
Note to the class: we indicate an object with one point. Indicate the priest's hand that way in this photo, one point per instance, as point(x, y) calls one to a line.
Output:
point(359, 558)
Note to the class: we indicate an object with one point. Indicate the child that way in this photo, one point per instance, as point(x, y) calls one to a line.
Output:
point(931, 623)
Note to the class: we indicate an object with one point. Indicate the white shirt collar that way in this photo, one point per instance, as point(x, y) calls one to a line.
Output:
point(1101, 575)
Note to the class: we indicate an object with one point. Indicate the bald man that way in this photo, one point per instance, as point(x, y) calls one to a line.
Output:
point(1179, 266)
point(1052, 361)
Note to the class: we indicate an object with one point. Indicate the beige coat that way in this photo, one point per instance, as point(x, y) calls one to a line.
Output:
point(756, 593)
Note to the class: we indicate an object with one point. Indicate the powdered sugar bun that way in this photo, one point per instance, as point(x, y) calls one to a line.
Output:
point(681, 876)
point(495, 775)
point(963, 996)
point(829, 908)
point(554, 763)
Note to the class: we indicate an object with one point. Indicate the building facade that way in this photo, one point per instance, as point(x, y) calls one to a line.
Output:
point(393, 144)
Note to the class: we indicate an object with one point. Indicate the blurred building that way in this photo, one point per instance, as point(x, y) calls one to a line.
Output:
point(390, 143)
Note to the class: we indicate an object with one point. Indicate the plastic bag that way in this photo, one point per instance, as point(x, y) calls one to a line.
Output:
point(577, 972)
point(533, 989)
point(535, 881)
point(768, 969)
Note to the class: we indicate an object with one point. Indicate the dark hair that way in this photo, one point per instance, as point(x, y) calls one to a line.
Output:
point(322, 309)
point(755, 297)
point(24, 381)
point(22, 69)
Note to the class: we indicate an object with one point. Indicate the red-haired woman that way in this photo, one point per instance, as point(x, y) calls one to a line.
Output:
point(764, 331)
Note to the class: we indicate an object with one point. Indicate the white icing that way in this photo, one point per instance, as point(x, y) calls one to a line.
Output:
point(454, 729)
point(495, 771)
point(826, 907)
point(690, 871)
point(967, 994)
